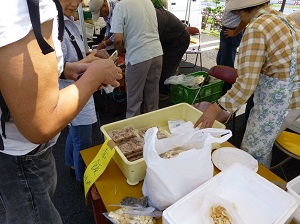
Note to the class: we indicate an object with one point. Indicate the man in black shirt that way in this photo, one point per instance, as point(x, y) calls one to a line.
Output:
point(175, 40)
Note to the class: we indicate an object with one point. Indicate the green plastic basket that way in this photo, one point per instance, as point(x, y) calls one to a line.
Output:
point(157, 3)
point(209, 92)
point(87, 15)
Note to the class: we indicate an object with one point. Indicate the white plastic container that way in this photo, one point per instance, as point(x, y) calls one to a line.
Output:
point(135, 171)
point(293, 188)
point(255, 199)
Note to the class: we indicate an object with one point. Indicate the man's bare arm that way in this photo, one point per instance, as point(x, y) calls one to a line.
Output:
point(29, 85)
point(119, 43)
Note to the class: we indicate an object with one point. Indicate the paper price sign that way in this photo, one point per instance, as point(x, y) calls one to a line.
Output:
point(98, 165)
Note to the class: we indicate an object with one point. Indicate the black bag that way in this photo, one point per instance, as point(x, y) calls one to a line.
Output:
point(113, 104)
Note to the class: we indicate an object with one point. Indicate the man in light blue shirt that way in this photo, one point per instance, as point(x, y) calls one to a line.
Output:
point(135, 23)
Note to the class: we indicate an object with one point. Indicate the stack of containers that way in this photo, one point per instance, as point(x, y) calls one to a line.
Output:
point(293, 188)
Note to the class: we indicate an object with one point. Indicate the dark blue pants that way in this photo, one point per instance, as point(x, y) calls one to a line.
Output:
point(27, 184)
point(79, 138)
point(227, 52)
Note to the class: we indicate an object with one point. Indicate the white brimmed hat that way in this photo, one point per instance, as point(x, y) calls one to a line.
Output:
point(295, 16)
point(95, 6)
point(242, 4)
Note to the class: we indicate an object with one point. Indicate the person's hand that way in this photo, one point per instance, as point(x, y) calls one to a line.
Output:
point(90, 57)
point(107, 72)
point(121, 50)
point(101, 46)
point(208, 117)
point(229, 33)
point(73, 69)
point(102, 54)
point(94, 192)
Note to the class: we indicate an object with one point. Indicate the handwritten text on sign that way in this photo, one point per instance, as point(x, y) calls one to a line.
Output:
point(98, 165)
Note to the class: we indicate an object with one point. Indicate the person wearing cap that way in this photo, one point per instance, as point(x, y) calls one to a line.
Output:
point(134, 23)
point(104, 8)
point(268, 67)
point(172, 33)
point(230, 38)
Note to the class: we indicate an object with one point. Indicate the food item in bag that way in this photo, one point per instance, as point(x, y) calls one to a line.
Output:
point(135, 156)
point(119, 217)
point(219, 215)
point(199, 80)
point(160, 134)
point(131, 145)
point(132, 148)
point(143, 201)
point(173, 152)
point(123, 134)
point(142, 131)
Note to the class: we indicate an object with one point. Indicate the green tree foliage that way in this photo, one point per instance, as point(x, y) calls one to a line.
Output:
point(212, 16)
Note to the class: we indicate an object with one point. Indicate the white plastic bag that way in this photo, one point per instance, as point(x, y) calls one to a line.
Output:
point(181, 79)
point(168, 180)
point(186, 80)
point(108, 89)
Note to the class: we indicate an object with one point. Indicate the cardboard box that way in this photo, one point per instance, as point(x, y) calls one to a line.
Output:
point(293, 188)
point(135, 171)
point(252, 197)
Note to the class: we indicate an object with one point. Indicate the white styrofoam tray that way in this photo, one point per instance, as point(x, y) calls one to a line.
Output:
point(293, 188)
point(256, 200)
point(135, 171)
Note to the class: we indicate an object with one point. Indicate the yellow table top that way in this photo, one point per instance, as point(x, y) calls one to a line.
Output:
point(112, 185)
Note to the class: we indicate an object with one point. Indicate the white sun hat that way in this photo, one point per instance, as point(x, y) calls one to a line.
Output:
point(242, 4)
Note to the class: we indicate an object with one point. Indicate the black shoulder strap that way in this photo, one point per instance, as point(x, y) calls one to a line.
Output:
point(34, 13)
point(73, 41)
point(61, 22)
point(4, 117)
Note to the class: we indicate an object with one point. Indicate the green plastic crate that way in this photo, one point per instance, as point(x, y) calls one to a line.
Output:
point(87, 15)
point(157, 4)
point(209, 92)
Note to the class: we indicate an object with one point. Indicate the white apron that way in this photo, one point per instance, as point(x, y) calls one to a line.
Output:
point(272, 98)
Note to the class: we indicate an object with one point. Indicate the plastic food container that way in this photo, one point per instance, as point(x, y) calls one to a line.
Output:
point(209, 92)
point(135, 171)
point(253, 198)
point(293, 188)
